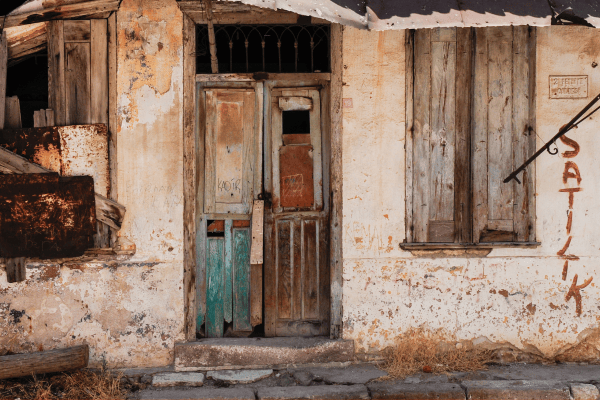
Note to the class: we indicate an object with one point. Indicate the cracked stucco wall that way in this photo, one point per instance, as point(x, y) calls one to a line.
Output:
point(514, 298)
point(130, 313)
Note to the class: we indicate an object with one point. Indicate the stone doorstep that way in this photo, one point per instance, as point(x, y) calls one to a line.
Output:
point(257, 353)
point(337, 392)
point(416, 391)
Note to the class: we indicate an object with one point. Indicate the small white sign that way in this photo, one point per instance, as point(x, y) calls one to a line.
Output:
point(568, 86)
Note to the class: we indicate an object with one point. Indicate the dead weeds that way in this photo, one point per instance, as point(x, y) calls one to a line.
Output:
point(418, 350)
point(78, 385)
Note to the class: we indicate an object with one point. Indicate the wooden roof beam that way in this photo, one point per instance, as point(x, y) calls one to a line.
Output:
point(89, 9)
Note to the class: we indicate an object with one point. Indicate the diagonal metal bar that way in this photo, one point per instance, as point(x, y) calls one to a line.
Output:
point(575, 121)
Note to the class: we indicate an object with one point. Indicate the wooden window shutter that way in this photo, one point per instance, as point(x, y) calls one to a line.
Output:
point(78, 71)
point(438, 154)
point(503, 138)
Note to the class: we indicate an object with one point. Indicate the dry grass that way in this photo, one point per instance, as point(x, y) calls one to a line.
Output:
point(418, 350)
point(79, 385)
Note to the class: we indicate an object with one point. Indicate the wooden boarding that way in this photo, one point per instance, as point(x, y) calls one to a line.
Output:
point(12, 116)
point(214, 287)
point(43, 118)
point(241, 280)
point(229, 251)
point(15, 269)
point(87, 9)
point(258, 214)
point(44, 362)
point(3, 71)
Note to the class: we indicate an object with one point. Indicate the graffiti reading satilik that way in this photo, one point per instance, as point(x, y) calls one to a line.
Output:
point(572, 181)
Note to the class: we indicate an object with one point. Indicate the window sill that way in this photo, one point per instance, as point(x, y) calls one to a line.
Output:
point(91, 255)
point(444, 250)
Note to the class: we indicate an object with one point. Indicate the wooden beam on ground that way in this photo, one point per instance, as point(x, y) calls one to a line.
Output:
point(44, 362)
point(107, 211)
point(15, 270)
point(61, 12)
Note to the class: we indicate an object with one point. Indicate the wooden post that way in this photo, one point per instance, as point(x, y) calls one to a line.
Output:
point(15, 270)
point(44, 362)
point(3, 71)
point(214, 63)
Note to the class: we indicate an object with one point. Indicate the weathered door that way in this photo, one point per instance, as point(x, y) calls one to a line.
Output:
point(296, 221)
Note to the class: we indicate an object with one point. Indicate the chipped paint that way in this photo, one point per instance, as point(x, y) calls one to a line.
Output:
point(512, 299)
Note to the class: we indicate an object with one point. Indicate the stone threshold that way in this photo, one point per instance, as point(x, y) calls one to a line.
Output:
point(256, 353)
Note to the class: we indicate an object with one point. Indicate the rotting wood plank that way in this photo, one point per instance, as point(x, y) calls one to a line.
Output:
point(39, 118)
point(500, 137)
point(62, 12)
point(228, 266)
point(462, 171)
point(296, 269)
point(99, 72)
point(531, 142)
point(77, 31)
point(256, 294)
point(421, 135)
point(241, 280)
point(311, 269)
point(44, 362)
point(442, 135)
point(109, 212)
point(3, 71)
point(409, 94)
point(214, 287)
point(112, 105)
point(284, 270)
point(336, 221)
point(77, 83)
point(15, 269)
point(479, 134)
point(56, 71)
point(324, 290)
point(12, 116)
point(258, 214)
point(50, 117)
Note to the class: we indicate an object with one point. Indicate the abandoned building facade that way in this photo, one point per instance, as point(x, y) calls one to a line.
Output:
point(287, 171)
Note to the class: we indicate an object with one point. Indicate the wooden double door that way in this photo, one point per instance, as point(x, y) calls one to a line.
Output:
point(266, 153)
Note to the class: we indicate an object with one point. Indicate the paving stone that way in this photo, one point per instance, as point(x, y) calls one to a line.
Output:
point(557, 372)
point(240, 376)
point(194, 393)
point(517, 390)
point(417, 391)
point(583, 391)
point(336, 392)
point(351, 375)
point(178, 379)
point(303, 377)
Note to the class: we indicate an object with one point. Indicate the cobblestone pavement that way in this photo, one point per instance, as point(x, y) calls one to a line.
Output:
point(364, 381)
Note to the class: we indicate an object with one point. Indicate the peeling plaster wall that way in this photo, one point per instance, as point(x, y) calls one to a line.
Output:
point(513, 298)
point(130, 313)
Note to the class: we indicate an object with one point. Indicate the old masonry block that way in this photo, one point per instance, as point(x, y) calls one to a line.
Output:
point(582, 391)
point(178, 379)
point(240, 376)
point(517, 390)
point(420, 391)
point(336, 392)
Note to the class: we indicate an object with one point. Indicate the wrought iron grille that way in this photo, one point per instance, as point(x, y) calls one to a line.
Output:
point(265, 48)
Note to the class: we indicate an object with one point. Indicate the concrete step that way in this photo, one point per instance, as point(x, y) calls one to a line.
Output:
point(254, 353)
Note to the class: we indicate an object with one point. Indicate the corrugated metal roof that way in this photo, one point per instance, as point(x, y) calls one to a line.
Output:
point(403, 14)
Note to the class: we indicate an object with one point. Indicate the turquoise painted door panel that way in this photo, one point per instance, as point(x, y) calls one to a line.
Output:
point(214, 287)
point(227, 297)
point(241, 283)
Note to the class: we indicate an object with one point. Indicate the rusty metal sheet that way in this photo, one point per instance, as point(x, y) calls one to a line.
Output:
point(46, 216)
point(38, 145)
point(296, 176)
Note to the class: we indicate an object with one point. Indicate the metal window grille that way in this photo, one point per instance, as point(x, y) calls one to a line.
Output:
point(265, 48)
